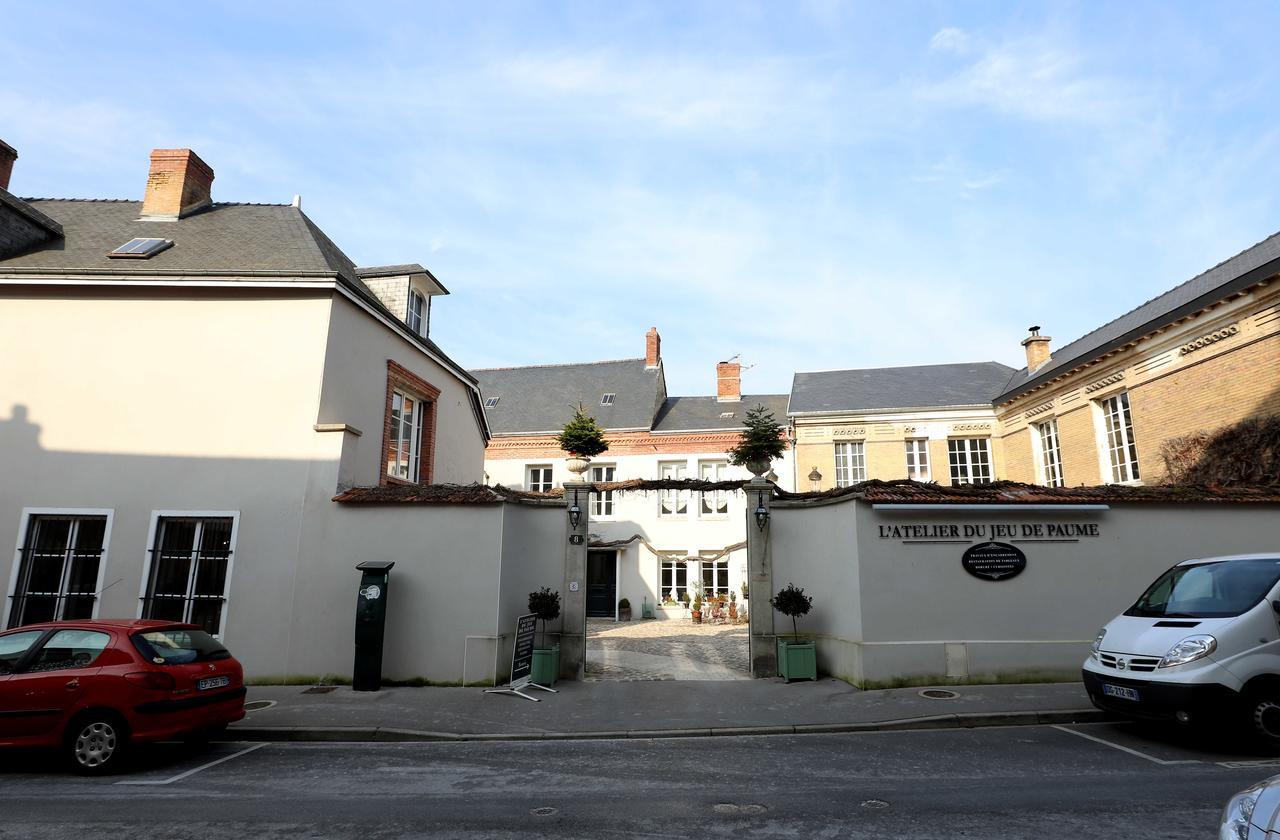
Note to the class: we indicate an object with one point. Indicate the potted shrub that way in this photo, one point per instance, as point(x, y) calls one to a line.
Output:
point(733, 606)
point(545, 604)
point(762, 442)
point(695, 606)
point(624, 610)
point(583, 439)
point(797, 659)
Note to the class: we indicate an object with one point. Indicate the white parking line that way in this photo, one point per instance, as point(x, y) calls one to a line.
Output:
point(192, 771)
point(1130, 751)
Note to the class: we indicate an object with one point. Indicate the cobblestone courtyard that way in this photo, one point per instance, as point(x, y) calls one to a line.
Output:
point(675, 649)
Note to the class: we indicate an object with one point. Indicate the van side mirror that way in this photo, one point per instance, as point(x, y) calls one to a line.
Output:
point(1275, 605)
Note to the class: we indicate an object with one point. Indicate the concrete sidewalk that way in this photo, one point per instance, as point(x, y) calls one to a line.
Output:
point(644, 710)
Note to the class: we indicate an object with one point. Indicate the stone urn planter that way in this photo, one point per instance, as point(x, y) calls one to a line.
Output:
point(577, 465)
point(758, 468)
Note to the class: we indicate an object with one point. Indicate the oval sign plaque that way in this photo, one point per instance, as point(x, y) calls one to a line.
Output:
point(994, 560)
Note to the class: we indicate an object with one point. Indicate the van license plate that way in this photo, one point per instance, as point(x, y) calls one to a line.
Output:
point(1120, 691)
point(213, 682)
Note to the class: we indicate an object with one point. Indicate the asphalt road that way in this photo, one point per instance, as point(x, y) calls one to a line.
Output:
point(1040, 782)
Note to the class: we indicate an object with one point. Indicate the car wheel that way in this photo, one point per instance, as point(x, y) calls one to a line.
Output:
point(96, 743)
point(1263, 710)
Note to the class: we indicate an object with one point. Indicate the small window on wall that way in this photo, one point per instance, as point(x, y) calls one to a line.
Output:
point(602, 502)
point(713, 502)
point(540, 479)
point(918, 459)
point(715, 577)
point(851, 463)
point(1122, 449)
point(674, 579)
point(970, 460)
point(58, 569)
point(416, 305)
point(672, 502)
point(188, 573)
point(1050, 454)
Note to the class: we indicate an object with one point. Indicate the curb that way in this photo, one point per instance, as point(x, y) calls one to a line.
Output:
point(377, 734)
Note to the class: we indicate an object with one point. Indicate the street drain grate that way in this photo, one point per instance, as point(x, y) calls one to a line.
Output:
point(939, 694)
point(544, 811)
point(320, 689)
point(874, 803)
point(258, 705)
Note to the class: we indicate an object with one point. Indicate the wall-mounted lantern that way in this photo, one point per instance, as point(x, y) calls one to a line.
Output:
point(815, 480)
point(762, 512)
point(575, 512)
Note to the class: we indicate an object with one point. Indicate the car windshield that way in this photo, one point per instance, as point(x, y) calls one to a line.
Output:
point(178, 646)
point(1221, 589)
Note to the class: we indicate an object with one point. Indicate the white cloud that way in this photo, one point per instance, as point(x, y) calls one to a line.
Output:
point(950, 40)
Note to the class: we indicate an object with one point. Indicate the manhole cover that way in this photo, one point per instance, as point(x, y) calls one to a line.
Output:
point(544, 811)
point(258, 705)
point(939, 694)
point(874, 803)
point(733, 808)
point(320, 689)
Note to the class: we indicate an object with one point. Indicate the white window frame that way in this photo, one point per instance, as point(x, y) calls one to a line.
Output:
point(29, 513)
point(715, 566)
point(677, 562)
point(851, 462)
point(603, 504)
point(415, 440)
point(1128, 471)
point(1048, 451)
point(968, 451)
point(149, 554)
point(917, 454)
point(719, 498)
point(413, 317)
point(675, 470)
point(549, 481)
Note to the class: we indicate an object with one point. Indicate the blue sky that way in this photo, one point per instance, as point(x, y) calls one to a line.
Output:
point(812, 186)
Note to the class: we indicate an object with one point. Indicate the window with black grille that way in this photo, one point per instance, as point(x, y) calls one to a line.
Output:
point(58, 569)
point(187, 580)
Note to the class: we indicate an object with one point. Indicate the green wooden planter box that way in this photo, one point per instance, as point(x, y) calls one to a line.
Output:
point(546, 665)
point(797, 660)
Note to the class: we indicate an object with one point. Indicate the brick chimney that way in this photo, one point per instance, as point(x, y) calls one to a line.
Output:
point(728, 382)
point(652, 348)
point(177, 185)
point(1037, 347)
point(8, 155)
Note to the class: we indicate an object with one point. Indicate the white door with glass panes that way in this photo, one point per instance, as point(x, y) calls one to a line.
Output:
point(918, 459)
point(713, 503)
point(851, 463)
point(672, 502)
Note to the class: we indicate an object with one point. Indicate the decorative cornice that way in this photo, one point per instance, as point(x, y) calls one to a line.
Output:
point(971, 427)
point(1040, 409)
point(1104, 382)
point(1209, 338)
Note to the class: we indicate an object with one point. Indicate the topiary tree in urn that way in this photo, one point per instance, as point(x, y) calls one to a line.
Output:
point(583, 439)
point(797, 660)
point(763, 440)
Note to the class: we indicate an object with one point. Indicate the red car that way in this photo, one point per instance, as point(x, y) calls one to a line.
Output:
point(94, 688)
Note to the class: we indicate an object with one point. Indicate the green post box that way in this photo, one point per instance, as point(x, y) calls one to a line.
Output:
point(371, 618)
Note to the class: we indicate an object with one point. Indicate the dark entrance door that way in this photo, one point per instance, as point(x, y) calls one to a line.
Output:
point(602, 583)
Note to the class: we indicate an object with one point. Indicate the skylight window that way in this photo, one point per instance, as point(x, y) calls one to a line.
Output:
point(491, 402)
point(725, 415)
point(140, 249)
point(607, 399)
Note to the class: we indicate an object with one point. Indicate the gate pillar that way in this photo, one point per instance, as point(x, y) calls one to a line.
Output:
point(764, 647)
point(573, 595)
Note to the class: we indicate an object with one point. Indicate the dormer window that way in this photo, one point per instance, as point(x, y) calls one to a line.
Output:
point(416, 305)
point(140, 249)
point(607, 399)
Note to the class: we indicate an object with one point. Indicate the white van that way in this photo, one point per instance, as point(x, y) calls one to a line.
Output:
point(1202, 644)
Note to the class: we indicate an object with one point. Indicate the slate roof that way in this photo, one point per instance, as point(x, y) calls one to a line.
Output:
point(906, 491)
point(880, 389)
point(221, 239)
point(28, 212)
point(690, 414)
point(542, 398)
point(1238, 272)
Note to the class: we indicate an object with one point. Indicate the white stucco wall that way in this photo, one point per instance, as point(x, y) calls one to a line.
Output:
point(355, 387)
point(887, 609)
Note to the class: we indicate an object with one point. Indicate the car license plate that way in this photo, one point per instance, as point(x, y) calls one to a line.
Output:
point(213, 682)
point(1120, 691)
